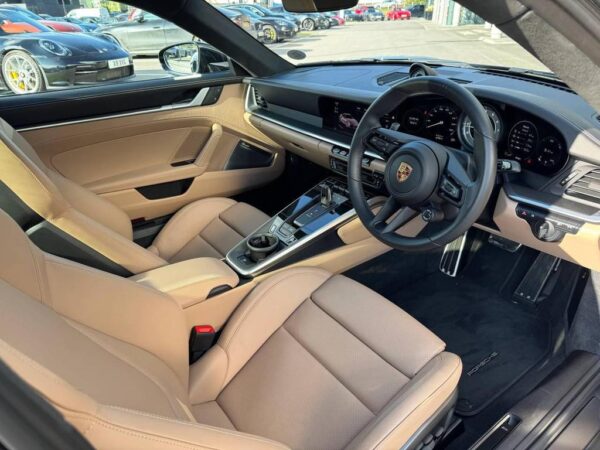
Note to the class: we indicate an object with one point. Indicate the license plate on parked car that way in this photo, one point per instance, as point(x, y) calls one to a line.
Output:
point(116, 63)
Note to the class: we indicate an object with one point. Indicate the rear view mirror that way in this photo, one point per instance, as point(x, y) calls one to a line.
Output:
point(193, 58)
point(299, 6)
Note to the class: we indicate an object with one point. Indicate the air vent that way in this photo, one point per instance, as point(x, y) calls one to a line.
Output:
point(391, 77)
point(587, 187)
point(553, 84)
point(259, 99)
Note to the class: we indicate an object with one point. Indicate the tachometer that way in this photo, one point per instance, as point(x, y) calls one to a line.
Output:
point(467, 131)
point(522, 142)
point(551, 154)
point(441, 124)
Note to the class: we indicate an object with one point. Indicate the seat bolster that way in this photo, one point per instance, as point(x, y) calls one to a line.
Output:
point(110, 427)
point(414, 405)
point(94, 206)
point(187, 223)
point(262, 313)
point(107, 242)
point(115, 306)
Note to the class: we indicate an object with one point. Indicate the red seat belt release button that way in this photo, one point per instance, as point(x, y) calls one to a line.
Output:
point(202, 338)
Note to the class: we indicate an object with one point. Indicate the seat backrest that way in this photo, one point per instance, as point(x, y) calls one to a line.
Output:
point(109, 354)
point(60, 215)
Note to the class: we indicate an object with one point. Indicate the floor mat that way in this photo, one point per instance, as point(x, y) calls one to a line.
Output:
point(497, 340)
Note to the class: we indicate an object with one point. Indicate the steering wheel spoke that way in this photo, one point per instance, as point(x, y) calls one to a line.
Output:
point(392, 216)
point(456, 182)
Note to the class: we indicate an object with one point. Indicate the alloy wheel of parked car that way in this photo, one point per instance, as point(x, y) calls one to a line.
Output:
point(270, 34)
point(308, 25)
point(21, 73)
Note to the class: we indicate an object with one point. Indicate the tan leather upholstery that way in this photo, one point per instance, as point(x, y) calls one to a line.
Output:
point(189, 281)
point(309, 360)
point(210, 225)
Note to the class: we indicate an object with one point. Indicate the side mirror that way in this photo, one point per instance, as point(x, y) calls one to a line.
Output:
point(141, 18)
point(193, 58)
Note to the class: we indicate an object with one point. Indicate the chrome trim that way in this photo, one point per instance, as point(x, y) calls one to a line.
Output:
point(594, 218)
point(299, 130)
point(269, 262)
point(196, 101)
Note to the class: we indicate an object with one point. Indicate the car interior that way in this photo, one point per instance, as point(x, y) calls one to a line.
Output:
point(273, 256)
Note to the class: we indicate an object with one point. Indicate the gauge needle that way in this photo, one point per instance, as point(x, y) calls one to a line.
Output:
point(441, 122)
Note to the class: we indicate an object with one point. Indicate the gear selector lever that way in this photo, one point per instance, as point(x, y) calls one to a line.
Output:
point(325, 195)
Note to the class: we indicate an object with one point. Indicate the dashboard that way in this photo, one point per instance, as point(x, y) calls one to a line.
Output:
point(536, 144)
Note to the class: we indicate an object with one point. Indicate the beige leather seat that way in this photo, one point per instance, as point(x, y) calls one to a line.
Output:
point(208, 227)
point(310, 360)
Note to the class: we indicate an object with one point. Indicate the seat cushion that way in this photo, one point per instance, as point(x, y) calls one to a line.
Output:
point(208, 227)
point(319, 361)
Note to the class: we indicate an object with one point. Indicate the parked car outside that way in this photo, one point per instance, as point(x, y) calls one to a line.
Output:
point(262, 11)
point(85, 26)
point(59, 25)
point(253, 27)
point(355, 15)
point(38, 58)
point(417, 10)
point(274, 29)
point(397, 13)
point(336, 17)
point(101, 14)
point(146, 35)
point(305, 20)
point(373, 14)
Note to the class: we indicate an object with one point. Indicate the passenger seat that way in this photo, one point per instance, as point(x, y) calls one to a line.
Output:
point(68, 220)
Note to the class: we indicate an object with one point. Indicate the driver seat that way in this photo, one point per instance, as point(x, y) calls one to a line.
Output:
point(310, 360)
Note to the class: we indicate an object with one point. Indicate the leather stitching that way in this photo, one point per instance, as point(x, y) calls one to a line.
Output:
point(327, 369)
point(170, 401)
point(346, 328)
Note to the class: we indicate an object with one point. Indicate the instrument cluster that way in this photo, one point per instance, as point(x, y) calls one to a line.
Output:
point(521, 136)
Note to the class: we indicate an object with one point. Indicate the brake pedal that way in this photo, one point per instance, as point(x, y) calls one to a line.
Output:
point(535, 279)
point(452, 258)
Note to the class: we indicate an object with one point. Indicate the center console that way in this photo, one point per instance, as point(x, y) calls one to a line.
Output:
point(315, 213)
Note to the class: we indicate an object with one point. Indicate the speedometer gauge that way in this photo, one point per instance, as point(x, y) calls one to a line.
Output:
point(441, 123)
point(467, 131)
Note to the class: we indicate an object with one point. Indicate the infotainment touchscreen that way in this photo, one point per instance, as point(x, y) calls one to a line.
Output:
point(341, 115)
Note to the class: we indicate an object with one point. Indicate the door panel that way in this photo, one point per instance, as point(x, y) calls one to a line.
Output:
point(114, 156)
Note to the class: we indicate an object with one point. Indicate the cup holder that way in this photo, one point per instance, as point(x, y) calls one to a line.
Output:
point(261, 245)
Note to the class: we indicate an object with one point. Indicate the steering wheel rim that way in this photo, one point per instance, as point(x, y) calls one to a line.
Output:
point(434, 165)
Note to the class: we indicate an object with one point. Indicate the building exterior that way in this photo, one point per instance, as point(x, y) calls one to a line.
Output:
point(448, 12)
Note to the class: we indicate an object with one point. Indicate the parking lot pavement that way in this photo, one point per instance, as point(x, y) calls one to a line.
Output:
point(416, 37)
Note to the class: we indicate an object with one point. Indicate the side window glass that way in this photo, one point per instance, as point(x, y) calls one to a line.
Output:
point(60, 45)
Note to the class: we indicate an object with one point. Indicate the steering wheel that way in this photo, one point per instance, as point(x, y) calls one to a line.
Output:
point(443, 185)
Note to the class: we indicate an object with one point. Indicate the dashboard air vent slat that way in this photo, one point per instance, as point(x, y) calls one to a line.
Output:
point(587, 187)
point(259, 99)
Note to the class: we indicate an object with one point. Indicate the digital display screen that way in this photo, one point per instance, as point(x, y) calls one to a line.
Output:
point(342, 116)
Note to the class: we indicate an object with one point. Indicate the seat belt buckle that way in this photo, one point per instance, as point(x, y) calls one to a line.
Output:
point(202, 338)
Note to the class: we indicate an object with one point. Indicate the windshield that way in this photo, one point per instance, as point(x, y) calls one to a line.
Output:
point(419, 30)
